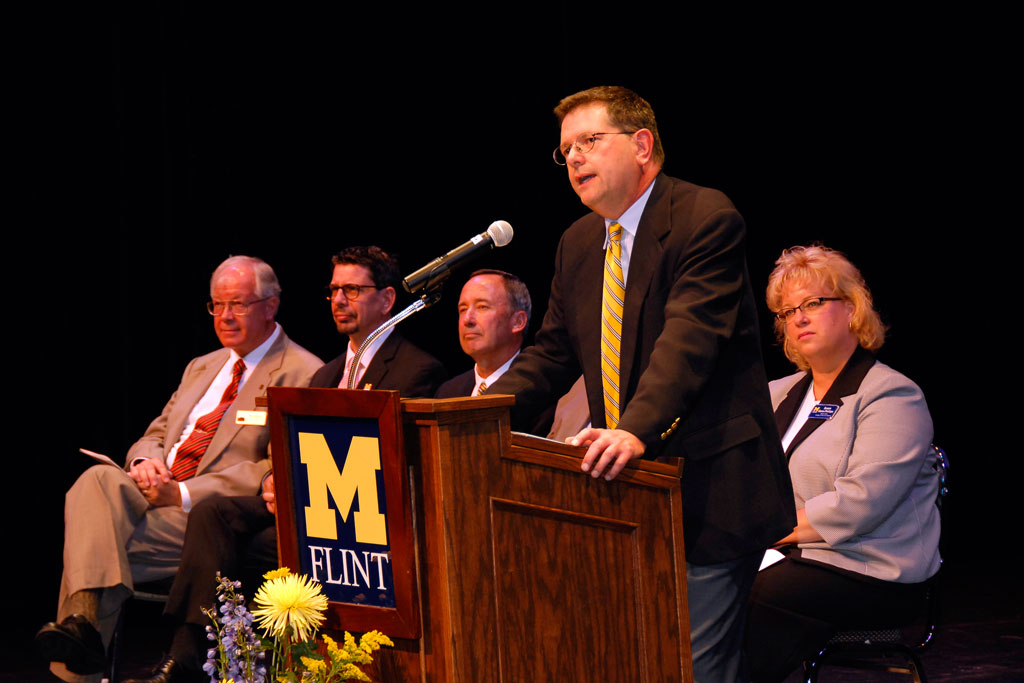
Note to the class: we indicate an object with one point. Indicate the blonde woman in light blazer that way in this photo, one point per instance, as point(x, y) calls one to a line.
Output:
point(857, 436)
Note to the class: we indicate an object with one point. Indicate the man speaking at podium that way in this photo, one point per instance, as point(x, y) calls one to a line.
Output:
point(124, 528)
point(651, 301)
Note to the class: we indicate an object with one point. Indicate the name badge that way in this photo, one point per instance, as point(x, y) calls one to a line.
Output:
point(823, 411)
point(257, 418)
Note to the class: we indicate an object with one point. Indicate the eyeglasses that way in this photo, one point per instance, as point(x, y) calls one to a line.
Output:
point(583, 144)
point(352, 292)
point(809, 307)
point(238, 308)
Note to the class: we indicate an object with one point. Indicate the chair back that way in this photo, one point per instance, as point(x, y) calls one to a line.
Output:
point(857, 648)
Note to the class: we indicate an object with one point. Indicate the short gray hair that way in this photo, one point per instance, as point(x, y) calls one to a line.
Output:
point(515, 289)
point(266, 281)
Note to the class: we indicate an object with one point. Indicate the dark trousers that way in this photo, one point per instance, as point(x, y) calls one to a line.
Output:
point(234, 536)
point(796, 606)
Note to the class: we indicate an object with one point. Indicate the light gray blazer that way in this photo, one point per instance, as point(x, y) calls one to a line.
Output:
point(236, 459)
point(866, 476)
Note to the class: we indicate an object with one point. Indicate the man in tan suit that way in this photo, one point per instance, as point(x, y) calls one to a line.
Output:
point(127, 526)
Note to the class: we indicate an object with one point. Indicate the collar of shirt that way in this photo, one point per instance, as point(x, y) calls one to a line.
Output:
point(493, 377)
point(253, 358)
point(368, 355)
point(630, 221)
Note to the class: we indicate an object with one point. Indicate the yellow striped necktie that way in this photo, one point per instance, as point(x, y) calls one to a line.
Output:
point(613, 296)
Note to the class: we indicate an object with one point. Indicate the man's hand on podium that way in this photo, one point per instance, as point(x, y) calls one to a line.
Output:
point(614, 447)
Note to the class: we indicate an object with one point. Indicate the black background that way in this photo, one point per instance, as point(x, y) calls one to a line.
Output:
point(159, 138)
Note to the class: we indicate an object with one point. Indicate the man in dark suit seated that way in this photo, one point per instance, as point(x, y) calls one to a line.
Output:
point(652, 303)
point(122, 528)
point(236, 535)
point(362, 293)
point(494, 313)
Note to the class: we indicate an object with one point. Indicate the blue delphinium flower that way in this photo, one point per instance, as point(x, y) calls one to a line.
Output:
point(238, 654)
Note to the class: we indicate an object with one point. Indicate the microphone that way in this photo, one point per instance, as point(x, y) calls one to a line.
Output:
point(437, 271)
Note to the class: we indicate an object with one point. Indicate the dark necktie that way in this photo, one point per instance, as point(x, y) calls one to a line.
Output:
point(186, 462)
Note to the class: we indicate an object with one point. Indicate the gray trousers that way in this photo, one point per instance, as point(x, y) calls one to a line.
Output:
point(718, 595)
point(113, 539)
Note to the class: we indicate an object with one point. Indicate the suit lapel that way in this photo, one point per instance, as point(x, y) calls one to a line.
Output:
point(786, 411)
point(331, 378)
point(588, 286)
point(378, 367)
point(847, 383)
point(643, 261)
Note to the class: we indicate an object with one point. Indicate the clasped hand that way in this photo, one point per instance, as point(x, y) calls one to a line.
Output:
point(155, 482)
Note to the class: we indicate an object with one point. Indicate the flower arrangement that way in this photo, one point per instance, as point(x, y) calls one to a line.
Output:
point(290, 610)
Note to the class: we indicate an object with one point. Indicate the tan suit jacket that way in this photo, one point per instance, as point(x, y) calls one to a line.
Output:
point(235, 461)
point(113, 538)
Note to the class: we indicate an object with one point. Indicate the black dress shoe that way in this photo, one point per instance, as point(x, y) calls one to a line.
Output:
point(170, 671)
point(74, 641)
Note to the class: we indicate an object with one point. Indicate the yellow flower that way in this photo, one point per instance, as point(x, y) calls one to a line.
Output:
point(373, 640)
point(333, 651)
point(277, 573)
point(290, 601)
point(315, 666)
point(351, 672)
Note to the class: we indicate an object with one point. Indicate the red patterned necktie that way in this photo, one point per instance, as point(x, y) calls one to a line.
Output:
point(186, 462)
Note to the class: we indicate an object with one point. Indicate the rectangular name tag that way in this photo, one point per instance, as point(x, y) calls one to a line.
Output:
point(823, 411)
point(257, 418)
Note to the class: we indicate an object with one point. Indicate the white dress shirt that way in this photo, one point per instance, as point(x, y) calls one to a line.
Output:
point(211, 399)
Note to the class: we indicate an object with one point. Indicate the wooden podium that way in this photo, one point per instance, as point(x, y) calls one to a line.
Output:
point(519, 566)
point(528, 568)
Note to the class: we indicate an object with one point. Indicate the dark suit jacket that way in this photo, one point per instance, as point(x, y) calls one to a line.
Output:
point(693, 379)
point(460, 385)
point(398, 365)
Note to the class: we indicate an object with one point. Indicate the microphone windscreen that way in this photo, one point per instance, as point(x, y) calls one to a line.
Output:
point(500, 232)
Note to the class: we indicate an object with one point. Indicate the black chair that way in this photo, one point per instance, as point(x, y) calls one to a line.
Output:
point(875, 649)
point(152, 591)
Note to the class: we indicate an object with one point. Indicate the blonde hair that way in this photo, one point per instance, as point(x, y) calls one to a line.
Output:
point(819, 264)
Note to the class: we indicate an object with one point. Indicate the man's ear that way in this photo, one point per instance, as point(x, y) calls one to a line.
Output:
point(272, 306)
point(518, 320)
point(644, 141)
point(389, 299)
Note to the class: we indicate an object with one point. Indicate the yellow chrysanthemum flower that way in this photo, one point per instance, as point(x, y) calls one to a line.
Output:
point(278, 573)
point(290, 601)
